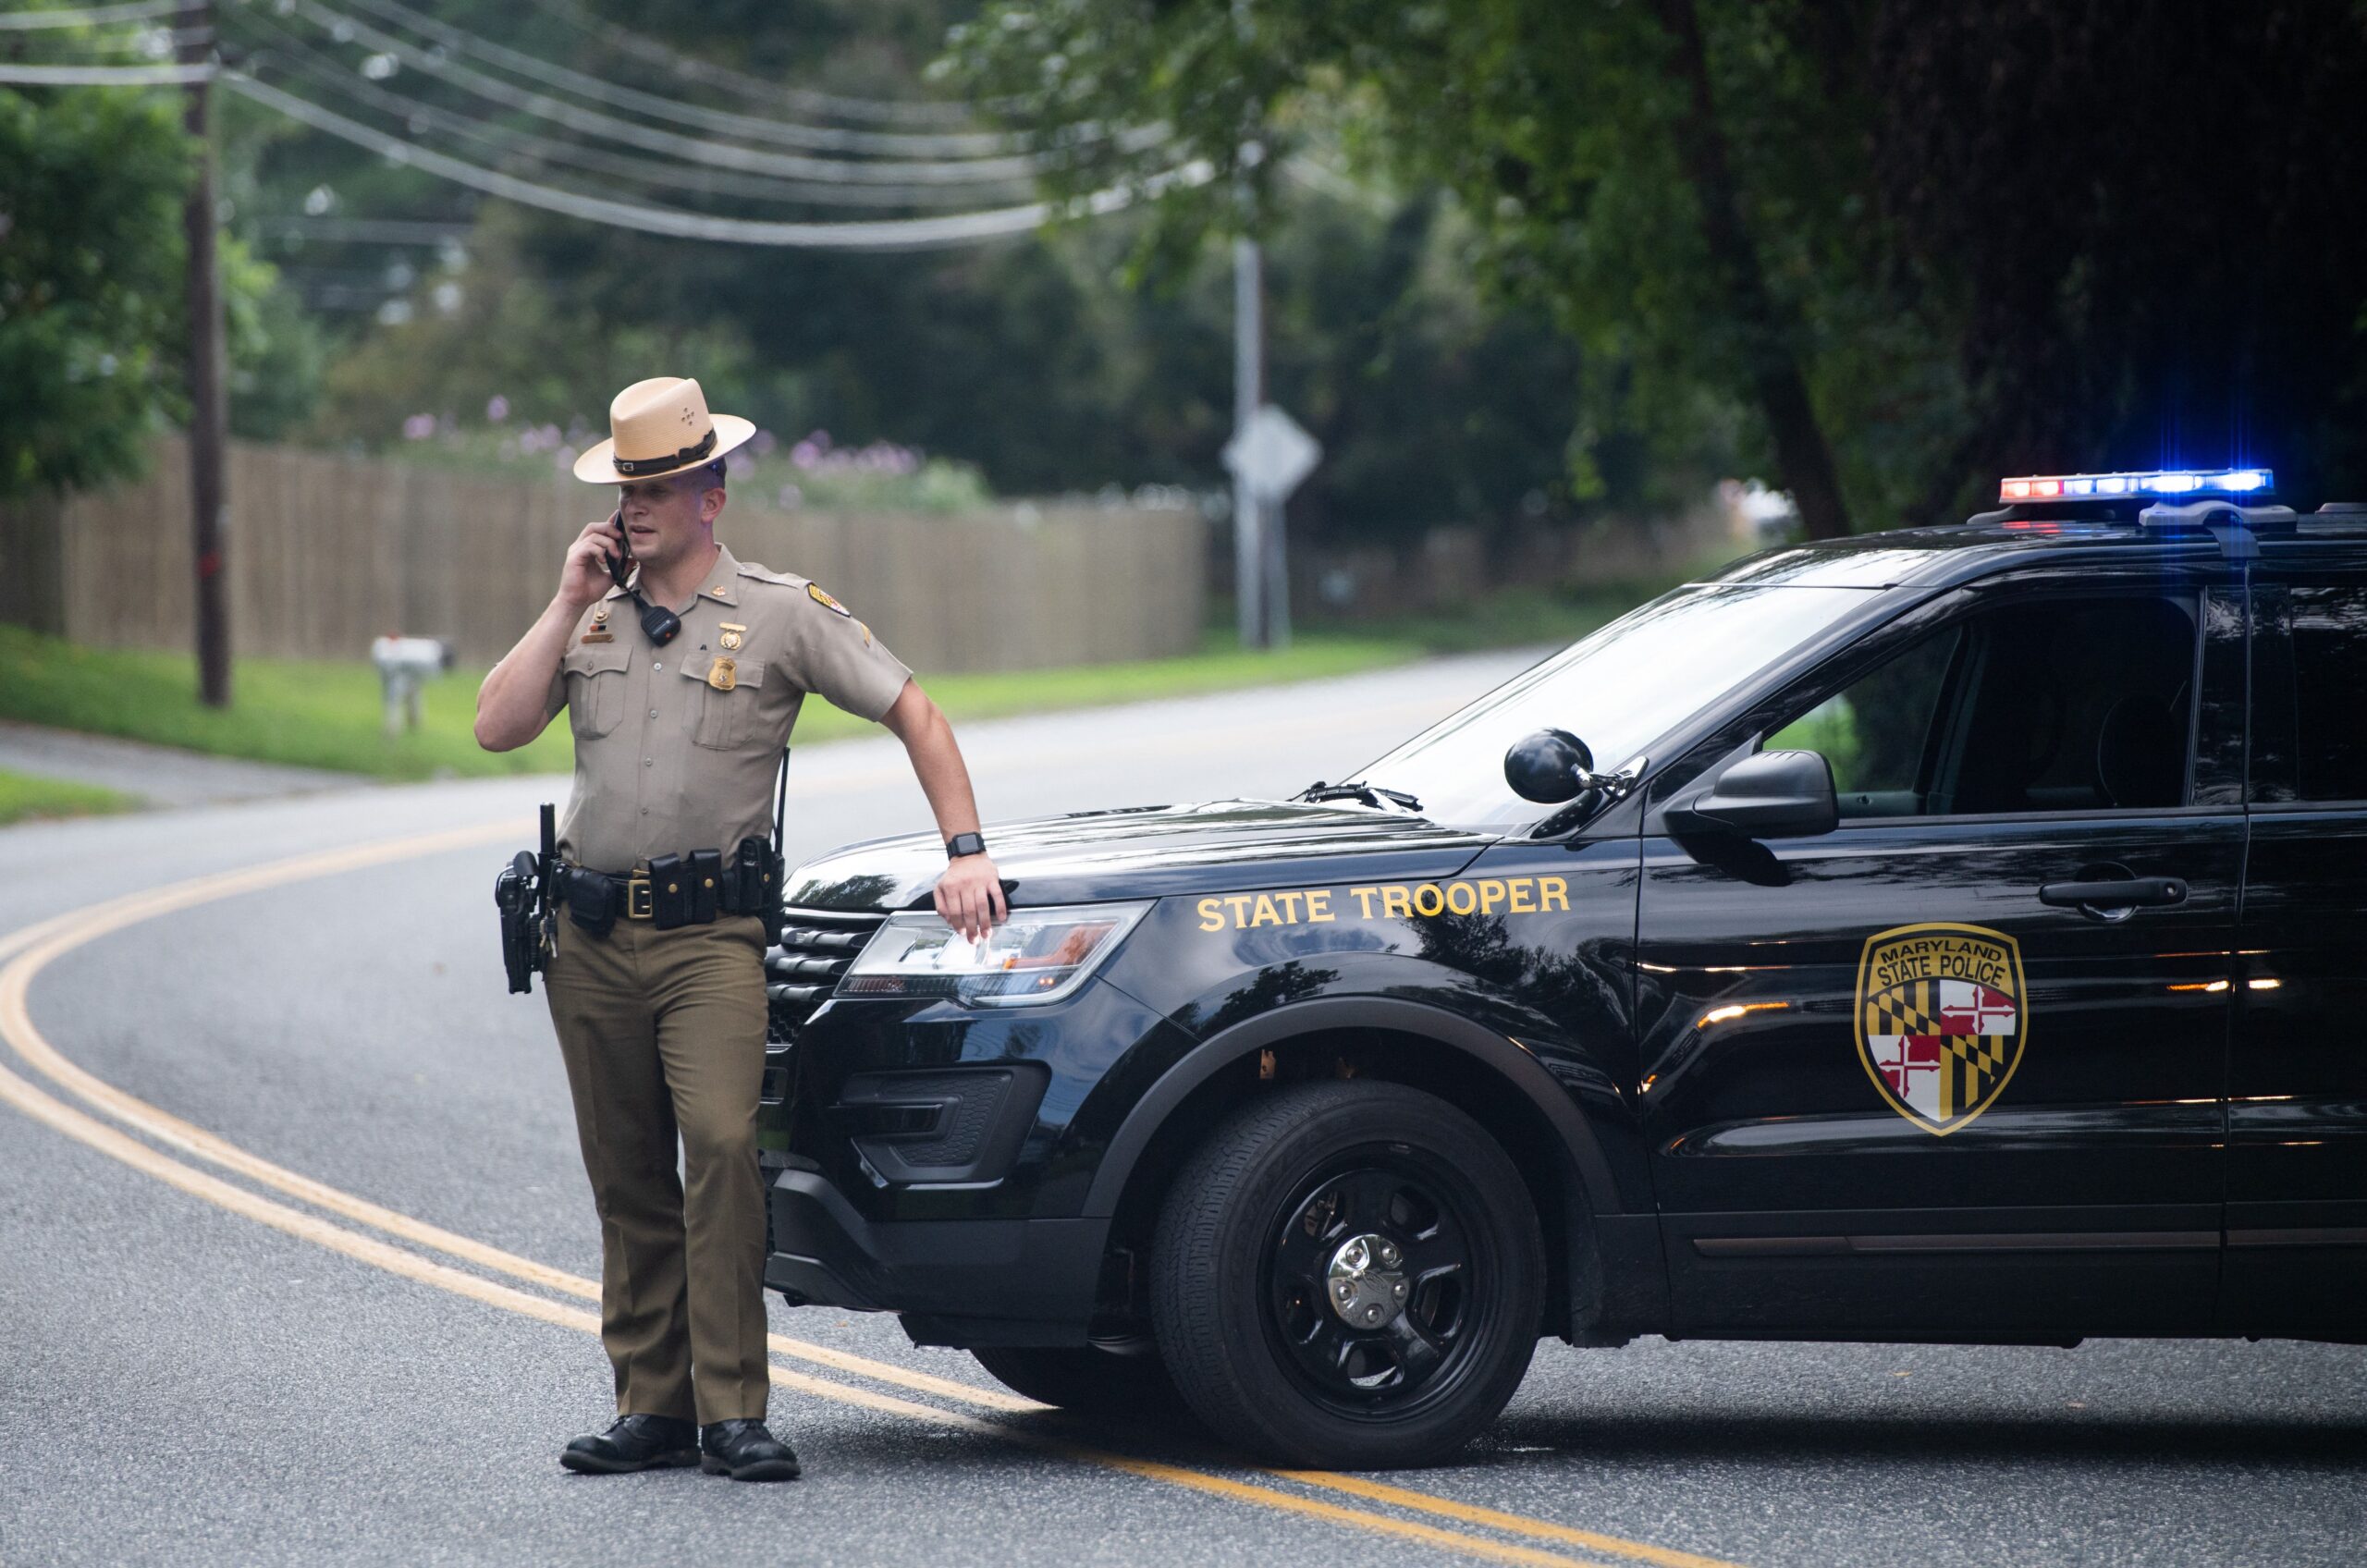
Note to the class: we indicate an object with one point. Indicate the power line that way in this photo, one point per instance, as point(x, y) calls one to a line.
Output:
point(714, 154)
point(712, 73)
point(363, 231)
point(416, 115)
point(95, 16)
point(102, 76)
point(812, 138)
point(890, 234)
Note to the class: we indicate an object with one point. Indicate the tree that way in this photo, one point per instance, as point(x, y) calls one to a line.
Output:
point(2148, 213)
point(91, 249)
point(1913, 243)
point(1028, 358)
point(1606, 151)
point(93, 301)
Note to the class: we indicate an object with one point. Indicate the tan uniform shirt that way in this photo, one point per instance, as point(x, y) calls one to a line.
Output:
point(676, 747)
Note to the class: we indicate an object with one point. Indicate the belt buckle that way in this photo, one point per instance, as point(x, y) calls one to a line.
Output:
point(639, 905)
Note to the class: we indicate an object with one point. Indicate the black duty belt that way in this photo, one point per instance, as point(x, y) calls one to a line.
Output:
point(687, 889)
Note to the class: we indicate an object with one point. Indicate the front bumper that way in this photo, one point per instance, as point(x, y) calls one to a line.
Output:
point(1040, 1276)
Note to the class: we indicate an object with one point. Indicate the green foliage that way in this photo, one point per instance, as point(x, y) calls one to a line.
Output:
point(1977, 245)
point(25, 798)
point(2134, 288)
point(93, 292)
point(328, 714)
point(91, 184)
point(1829, 729)
point(507, 335)
point(303, 713)
point(1980, 245)
point(278, 354)
point(1028, 361)
point(1549, 121)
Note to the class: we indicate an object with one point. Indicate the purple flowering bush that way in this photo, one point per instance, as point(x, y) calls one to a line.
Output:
point(816, 470)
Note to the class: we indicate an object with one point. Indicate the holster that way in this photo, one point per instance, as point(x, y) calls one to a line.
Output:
point(513, 894)
point(751, 883)
point(591, 899)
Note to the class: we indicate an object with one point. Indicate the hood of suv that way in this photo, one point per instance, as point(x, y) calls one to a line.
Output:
point(1149, 852)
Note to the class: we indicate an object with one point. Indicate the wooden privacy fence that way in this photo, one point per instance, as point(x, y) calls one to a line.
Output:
point(325, 552)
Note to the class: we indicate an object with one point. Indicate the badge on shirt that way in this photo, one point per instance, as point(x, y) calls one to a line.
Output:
point(723, 674)
point(827, 602)
point(595, 635)
point(731, 637)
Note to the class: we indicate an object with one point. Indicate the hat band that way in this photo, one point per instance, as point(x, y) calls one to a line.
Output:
point(631, 466)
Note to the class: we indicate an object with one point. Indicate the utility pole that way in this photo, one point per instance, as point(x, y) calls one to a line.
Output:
point(1248, 395)
point(209, 417)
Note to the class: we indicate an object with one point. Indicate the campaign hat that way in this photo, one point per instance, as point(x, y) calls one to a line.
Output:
point(658, 427)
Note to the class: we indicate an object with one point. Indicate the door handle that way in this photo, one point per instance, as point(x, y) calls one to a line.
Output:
point(2120, 892)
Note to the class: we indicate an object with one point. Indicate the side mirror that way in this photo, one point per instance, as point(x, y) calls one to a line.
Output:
point(1548, 766)
point(1771, 795)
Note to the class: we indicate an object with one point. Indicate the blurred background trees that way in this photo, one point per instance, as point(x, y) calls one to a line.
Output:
point(1529, 262)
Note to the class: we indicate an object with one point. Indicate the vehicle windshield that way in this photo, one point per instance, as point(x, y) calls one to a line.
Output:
point(1618, 690)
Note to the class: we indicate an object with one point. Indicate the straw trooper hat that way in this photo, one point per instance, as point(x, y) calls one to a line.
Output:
point(658, 427)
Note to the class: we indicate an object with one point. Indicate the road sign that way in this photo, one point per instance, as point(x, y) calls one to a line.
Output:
point(1271, 455)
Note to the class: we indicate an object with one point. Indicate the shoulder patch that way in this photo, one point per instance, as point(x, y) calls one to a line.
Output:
point(827, 602)
point(767, 574)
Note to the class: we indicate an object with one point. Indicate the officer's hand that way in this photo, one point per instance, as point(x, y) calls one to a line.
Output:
point(969, 896)
point(585, 576)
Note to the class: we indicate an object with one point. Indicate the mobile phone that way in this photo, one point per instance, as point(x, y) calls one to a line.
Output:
point(620, 565)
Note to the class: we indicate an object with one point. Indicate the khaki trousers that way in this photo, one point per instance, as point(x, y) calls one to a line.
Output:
point(663, 1033)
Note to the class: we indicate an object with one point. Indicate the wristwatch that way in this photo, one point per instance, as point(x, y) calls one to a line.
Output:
point(964, 844)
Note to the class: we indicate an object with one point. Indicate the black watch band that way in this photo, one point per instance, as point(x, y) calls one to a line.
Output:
point(964, 844)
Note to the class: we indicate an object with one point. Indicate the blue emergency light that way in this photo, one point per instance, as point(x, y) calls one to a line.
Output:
point(2158, 481)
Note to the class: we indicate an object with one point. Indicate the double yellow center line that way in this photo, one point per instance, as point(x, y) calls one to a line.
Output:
point(29, 951)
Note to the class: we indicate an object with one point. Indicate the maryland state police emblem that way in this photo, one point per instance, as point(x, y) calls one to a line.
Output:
point(1941, 1019)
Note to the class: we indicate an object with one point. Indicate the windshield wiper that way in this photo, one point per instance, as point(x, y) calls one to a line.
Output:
point(1371, 795)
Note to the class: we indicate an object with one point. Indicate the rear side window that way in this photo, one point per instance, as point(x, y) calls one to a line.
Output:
point(2313, 671)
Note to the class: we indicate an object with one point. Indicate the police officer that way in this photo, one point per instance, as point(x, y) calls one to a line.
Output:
point(657, 987)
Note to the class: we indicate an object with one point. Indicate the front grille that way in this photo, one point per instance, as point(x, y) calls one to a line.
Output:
point(816, 946)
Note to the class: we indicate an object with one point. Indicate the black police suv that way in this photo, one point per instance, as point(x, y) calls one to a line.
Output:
point(1951, 935)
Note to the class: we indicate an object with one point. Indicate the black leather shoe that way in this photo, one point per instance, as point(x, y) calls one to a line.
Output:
point(635, 1442)
point(746, 1451)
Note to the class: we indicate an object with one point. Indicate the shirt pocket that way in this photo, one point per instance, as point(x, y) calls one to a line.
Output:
point(596, 686)
point(722, 720)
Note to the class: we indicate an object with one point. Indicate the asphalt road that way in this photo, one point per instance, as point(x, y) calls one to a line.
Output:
point(207, 1360)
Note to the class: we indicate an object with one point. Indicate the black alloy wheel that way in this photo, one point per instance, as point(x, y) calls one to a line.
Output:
point(1348, 1275)
point(1368, 1282)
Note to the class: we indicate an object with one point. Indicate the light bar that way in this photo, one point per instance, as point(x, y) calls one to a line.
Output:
point(2157, 481)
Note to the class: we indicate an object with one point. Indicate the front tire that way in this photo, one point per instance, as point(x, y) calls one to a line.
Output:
point(1348, 1276)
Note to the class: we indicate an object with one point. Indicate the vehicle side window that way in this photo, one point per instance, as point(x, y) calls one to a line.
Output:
point(2051, 705)
point(1877, 731)
point(2310, 684)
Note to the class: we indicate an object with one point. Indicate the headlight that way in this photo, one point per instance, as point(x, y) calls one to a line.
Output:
point(1038, 955)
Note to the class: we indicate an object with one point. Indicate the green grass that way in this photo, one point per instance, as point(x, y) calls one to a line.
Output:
point(307, 712)
point(25, 798)
point(326, 715)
